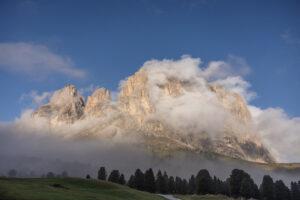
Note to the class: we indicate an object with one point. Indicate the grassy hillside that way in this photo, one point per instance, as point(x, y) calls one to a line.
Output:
point(68, 189)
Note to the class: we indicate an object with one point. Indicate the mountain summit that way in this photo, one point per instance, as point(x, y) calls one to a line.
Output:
point(165, 111)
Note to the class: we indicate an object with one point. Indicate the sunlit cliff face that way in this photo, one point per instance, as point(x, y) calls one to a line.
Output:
point(174, 100)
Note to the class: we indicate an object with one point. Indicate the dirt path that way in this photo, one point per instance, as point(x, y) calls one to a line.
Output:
point(169, 197)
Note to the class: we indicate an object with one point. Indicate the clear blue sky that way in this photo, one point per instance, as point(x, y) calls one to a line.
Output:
point(110, 40)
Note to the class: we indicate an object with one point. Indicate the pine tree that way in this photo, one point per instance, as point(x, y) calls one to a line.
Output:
point(114, 176)
point(102, 174)
point(246, 188)
point(161, 185)
point(131, 182)
point(122, 180)
point(171, 185)
point(192, 185)
point(203, 182)
point(255, 192)
point(235, 181)
point(178, 185)
point(139, 179)
point(267, 188)
point(295, 191)
point(218, 186)
point(149, 181)
point(281, 191)
point(184, 187)
point(166, 178)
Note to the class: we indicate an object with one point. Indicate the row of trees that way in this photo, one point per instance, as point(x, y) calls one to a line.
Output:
point(239, 184)
point(12, 173)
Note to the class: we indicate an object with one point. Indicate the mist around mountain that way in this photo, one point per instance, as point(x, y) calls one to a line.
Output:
point(171, 114)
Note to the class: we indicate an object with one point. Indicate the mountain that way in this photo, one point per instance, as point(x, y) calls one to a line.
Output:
point(162, 112)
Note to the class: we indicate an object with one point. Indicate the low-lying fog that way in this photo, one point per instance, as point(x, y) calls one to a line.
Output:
point(33, 155)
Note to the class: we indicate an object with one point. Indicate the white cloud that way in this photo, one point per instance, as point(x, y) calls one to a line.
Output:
point(36, 61)
point(239, 85)
point(87, 90)
point(35, 98)
point(197, 110)
point(234, 66)
point(280, 133)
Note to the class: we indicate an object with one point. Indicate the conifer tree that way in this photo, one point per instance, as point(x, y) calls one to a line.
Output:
point(131, 182)
point(255, 192)
point(161, 185)
point(171, 185)
point(281, 191)
point(203, 182)
point(114, 176)
point(139, 179)
point(149, 181)
point(102, 174)
point(218, 186)
point(122, 180)
point(235, 181)
point(178, 185)
point(267, 188)
point(192, 185)
point(184, 187)
point(246, 188)
point(166, 178)
point(295, 191)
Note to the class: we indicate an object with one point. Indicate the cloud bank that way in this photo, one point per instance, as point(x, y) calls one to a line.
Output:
point(277, 131)
point(33, 60)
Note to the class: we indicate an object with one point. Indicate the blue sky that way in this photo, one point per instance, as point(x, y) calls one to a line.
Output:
point(102, 42)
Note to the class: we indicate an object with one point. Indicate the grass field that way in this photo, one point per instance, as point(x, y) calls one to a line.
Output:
point(78, 189)
point(68, 189)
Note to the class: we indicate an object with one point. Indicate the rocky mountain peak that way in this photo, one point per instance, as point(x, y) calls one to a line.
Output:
point(99, 97)
point(65, 106)
point(65, 95)
point(134, 97)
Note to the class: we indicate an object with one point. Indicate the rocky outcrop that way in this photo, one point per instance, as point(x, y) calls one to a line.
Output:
point(65, 107)
point(232, 102)
point(134, 97)
point(97, 102)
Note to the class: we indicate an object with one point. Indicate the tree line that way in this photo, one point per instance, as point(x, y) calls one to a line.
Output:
point(239, 184)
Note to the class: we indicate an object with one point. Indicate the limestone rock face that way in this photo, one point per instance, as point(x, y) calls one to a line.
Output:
point(134, 98)
point(99, 99)
point(232, 102)
point(137, 109)
point(65, 107)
